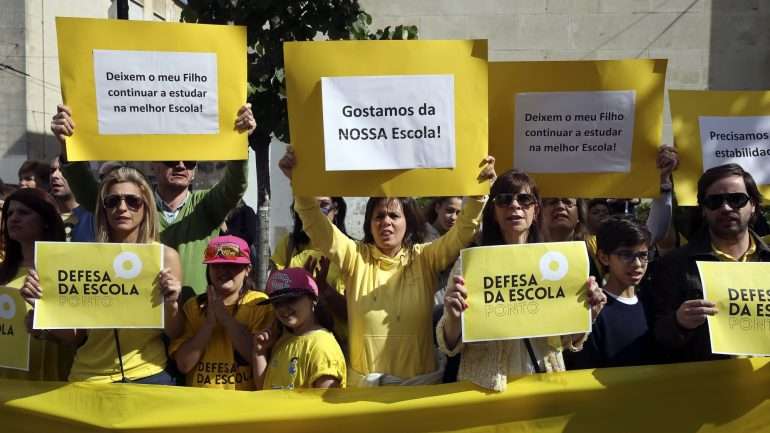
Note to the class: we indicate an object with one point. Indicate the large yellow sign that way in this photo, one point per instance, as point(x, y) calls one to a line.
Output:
point(464, 63)
point(14, 338)
point(707, 397)
point(147, 91)
point(583, 110)
point(529, 290)
point(741, 292)
point(714, 128)
point(98, 285)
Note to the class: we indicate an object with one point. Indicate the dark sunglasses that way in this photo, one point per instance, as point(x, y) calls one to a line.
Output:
point(569, 203)
point(133, 202)
point(505, 199)
point(187, 164)
point(736, 200)
point(630, 257)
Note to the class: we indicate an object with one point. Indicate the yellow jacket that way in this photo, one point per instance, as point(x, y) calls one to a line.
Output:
point(390, 299)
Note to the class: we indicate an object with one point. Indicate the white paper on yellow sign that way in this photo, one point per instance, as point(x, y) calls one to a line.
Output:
point(98, 285)
point(14, 339)
point(528, 290)
point(741, 292)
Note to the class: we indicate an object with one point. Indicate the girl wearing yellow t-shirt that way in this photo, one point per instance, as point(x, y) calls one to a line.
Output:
point(215, 349)
point(30, 215)
point(125, 213)
point(302, 353)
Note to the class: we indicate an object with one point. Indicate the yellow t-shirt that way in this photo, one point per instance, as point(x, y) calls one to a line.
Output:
point(298, 361)
point(48, 360)
point(144, 355)
point(281, 252)
point(390, 299)
point(221, 366)
point(748, 256)
point(593, 248)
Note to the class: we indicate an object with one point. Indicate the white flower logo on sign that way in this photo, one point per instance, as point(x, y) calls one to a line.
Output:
point(7, 307)
point(127, 265)
point(547, 269)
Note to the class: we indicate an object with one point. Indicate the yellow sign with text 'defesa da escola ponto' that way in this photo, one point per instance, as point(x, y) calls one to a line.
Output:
point(14, 339)
point(741, 292)
point(98, 285)
point(528, 290)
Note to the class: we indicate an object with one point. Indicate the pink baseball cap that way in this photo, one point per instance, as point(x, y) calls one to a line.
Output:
point(227, 250)
point(284, 284)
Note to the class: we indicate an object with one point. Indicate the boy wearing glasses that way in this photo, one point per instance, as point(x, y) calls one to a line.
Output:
point(729, 200)
point(620, 335)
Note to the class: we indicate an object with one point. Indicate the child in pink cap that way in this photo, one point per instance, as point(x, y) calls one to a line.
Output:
point(302, 352)
point(215, 348)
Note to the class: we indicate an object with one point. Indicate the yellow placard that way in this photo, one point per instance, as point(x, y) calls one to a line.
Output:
point(687, 106)
point(14, 338)
point(741, 292)
point(98, 285)
point(307, 62)
point(646, 77)
point(80, 40)
point(528, 290)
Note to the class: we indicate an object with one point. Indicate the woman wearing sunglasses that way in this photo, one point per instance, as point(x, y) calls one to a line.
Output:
point(31, 215)
point(126, 213)
point(216, 347)
point(511, 216)
point(390, 279)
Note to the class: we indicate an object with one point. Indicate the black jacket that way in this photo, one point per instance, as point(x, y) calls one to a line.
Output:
point(676, 280)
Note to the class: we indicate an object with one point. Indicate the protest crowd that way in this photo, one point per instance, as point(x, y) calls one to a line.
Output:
point(392, 308)
point(383, 310)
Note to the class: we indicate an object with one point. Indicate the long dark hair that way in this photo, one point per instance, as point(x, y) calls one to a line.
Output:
point(298, 238)
point(510, 182)
point(415, 225)
point(53, 228)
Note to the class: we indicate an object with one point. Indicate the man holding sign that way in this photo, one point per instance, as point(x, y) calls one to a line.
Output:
point(188, 218)
point(729, 199)
point(510, 217)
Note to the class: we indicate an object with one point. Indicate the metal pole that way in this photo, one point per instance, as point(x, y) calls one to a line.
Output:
point(122, 9)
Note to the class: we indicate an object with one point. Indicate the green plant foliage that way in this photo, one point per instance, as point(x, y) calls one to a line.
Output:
point(272, 22)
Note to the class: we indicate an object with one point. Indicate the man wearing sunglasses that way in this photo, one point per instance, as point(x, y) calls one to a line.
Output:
point(729, 200)
point(189, 218)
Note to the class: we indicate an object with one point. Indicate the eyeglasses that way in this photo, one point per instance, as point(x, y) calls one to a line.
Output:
point(505, 199)
point(190, 165)
point(133, 202)
point(569, 203)
point(326, 206)
point(736, 200)
point(629, 257)
point(224, 251)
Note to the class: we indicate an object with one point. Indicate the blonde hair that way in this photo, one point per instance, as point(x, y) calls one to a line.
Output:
point(148, 229)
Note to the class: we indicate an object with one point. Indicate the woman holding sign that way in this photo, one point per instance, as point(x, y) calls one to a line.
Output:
point(125, 213)
point(30, 215)
point(511, 216)
point(390, 280)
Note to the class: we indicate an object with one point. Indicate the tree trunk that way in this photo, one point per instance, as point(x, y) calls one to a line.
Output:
point(261, 146)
